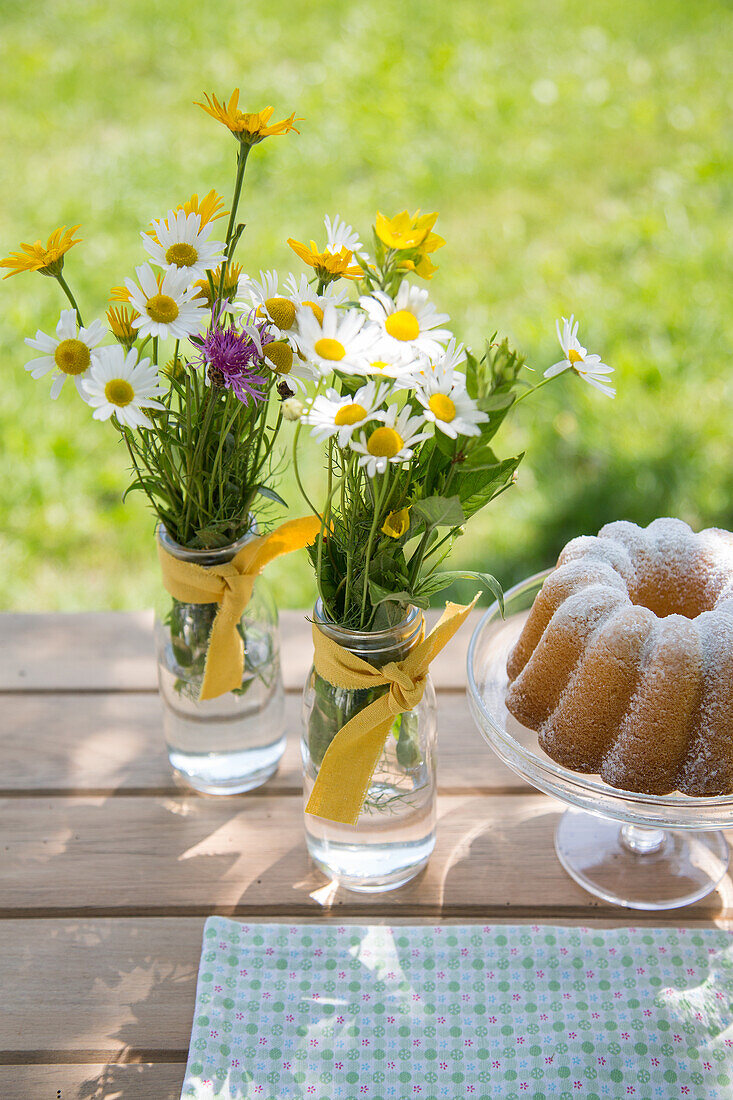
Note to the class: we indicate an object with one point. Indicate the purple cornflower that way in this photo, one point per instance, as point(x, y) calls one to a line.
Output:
point(232, 357)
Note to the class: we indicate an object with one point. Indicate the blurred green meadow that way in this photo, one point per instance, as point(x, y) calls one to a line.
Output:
point(578, 155)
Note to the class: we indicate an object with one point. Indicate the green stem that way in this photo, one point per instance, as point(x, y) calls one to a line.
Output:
point(67, 291)
point(378, 499)
point(534, 389)
point(299, 483)
point(229, 245)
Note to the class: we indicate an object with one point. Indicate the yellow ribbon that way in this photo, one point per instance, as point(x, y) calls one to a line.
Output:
point(349, 762)
point(230, 585)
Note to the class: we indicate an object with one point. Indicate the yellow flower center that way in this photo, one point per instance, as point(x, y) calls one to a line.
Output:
point(282, 312)
point(280, 355)
point(329, 349)
point(72, 357)
point(379, 364)
point(317, 311)
point(162, 308)
point(442, 407)
point(182, 255)
point(118, 391)
point(350, 414)
point(385, 443)
point(403, 325)
point(574, 357)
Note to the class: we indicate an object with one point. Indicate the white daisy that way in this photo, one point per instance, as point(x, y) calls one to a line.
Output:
point(589, 367)
point(393, 441)
point(410, 320)
point(331, 414)
point(302, 294)
point(120, 386)
point(71, 352)
point(339, 342)
point(445, 400)
point(383, 361)
point(340, 235)
point(179, 243)
point(444, 365)
point(167, 306)
point(253, 293)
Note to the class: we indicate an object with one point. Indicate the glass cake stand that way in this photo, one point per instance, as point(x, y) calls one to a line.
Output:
point(638, 850)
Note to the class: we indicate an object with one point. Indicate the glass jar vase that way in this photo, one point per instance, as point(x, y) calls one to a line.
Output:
point(395, 833)
point(232, 743)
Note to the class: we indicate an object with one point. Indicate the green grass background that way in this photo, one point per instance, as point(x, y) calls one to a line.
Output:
point(578, 155)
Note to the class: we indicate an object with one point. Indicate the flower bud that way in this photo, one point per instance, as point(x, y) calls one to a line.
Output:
point(292, 408)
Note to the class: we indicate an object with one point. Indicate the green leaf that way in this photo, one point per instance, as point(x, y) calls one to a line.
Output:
point(496, 401)
point(472, 375)
point(439, 511)
point(438, 581)
point(266, 491)
point(379, 594)
point(478, 487)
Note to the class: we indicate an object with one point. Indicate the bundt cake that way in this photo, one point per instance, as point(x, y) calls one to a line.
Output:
point(625, 663)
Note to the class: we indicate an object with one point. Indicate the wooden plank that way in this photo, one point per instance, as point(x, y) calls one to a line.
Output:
point(108, 743)
point(118, 990)
point(110, 989)
point(146, 1081)
point(189, 856)
point(113, 651)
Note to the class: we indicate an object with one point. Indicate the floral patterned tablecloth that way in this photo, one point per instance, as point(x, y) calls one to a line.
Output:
point(486, 1012)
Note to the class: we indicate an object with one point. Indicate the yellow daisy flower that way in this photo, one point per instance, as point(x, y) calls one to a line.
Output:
point(119, 294)
point(231, 283)
point(328, 265)
point(209, 208)
point(409, 231)
point(48, 259)
point(120, 320)
point(250, 127)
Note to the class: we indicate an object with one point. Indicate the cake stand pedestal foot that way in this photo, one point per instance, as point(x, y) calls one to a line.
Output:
point(637, 866)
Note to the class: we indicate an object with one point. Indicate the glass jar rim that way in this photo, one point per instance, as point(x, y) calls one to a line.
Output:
point(405, 632)
point(214, 555)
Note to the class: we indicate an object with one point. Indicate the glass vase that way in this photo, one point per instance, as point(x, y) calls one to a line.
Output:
point(232, 743)
point(395, 833)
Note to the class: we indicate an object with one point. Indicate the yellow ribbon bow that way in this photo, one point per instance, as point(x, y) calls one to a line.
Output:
point(349, 762)
point(230, 585)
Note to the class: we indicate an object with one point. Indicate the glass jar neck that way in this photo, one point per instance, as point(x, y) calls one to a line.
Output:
point(218, 555)
point(378, 647)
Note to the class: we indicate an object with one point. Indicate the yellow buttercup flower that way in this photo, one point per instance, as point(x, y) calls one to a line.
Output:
point(328, 265)
point(120, 320)
point(422, 265)
point(406, 231)
point(47, 259)
point(397, 523)
point(250, 127)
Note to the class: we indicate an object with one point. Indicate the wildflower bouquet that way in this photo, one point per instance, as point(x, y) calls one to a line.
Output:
point(192, 377)
point(408, 416)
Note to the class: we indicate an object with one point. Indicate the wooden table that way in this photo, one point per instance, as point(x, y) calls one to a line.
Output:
point(107, 869)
